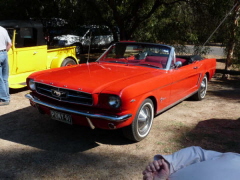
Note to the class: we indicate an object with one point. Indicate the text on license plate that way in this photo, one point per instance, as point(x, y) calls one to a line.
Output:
point(61, 117)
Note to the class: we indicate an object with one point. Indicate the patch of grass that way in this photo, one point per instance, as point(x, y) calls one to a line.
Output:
point(161, 143)
point(170, 137)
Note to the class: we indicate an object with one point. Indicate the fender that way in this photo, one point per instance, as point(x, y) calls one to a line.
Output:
point(58, 61)
point(57, 56)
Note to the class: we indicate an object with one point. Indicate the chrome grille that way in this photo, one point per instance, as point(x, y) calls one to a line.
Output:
point(64, 95)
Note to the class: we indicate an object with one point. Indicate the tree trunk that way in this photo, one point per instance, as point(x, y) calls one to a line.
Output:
point(231, 42)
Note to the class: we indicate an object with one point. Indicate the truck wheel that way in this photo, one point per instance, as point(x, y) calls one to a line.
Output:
point(201, 93)
point(68, 62)
point(142, 123)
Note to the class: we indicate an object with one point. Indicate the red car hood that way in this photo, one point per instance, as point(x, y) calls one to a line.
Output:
point(95, 77)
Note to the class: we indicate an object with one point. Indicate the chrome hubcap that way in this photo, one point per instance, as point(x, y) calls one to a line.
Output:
point(203, 88)
point(144, 119)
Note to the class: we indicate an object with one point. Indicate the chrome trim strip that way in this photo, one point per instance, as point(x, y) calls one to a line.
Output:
point(177, 102)
point(101, 116)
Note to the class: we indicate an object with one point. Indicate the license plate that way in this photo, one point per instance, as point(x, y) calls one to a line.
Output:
point(59, 116)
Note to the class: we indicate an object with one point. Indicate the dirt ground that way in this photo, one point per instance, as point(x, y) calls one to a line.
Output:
point(32, 146)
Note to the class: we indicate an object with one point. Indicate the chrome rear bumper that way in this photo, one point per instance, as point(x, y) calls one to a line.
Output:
point(86, 114)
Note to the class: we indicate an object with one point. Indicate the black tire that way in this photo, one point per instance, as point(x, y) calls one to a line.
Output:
point(141, 125)
point(201, 93)
point(68, 62)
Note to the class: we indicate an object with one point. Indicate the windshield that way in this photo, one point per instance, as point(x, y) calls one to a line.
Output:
point(151, 55)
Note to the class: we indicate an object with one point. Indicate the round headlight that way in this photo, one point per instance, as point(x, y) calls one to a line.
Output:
point(114, 101)
point(32, 84)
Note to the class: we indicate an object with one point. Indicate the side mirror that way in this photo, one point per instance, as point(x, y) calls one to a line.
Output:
point(178, 64)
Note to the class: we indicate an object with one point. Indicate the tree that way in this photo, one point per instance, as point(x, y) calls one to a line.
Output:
point(234, 18)
point(127, 15)
point(175, 22)
point(208, 17)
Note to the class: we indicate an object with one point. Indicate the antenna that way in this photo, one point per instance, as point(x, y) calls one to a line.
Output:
point(89, 47)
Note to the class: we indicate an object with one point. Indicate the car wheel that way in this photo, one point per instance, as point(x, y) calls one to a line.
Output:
point(68, 62)
point(201, 93)
point(142, 123)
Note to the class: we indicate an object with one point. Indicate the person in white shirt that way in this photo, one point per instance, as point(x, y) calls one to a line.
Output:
point(194, 163)
point(5, 45)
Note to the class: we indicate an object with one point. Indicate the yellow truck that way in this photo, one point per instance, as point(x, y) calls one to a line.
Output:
point(30, 53)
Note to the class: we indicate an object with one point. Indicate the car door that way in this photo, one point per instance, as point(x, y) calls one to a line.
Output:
point(106, 36)
point(101, 37)
point(96, 37)
point(185, 80)
point(163, 93)
point(29, 56)
point(31, 59)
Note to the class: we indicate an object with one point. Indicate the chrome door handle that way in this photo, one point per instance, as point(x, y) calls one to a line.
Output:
point(195, 67)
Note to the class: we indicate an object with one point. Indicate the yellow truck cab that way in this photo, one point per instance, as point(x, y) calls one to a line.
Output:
point(30, 53)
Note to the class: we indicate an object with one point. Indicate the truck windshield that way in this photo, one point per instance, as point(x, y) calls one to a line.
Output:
point(149, 55)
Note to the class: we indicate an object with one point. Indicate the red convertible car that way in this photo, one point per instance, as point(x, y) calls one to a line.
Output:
point(127, 86)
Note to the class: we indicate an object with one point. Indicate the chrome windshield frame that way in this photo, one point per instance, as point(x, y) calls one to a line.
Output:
point(171, 59)
point(171, 56)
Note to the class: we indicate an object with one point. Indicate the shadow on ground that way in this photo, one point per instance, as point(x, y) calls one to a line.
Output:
point(226, 89)
point(15, 91)
point(215, 134)
point(28, 127)
point(46, 149)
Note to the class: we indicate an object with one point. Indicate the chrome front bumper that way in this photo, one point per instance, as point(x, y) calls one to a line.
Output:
point(86, 114)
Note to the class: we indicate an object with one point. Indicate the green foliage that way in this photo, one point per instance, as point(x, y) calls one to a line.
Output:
point(174, 22)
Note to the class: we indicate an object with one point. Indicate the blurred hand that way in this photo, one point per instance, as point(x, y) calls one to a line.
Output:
point(156, 170)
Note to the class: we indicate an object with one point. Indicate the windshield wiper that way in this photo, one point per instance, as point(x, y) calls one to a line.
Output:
point(146, 64)
point(116, 61)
